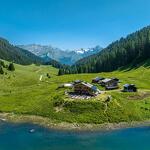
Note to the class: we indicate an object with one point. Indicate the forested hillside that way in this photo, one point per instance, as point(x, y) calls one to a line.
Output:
point(133, 50)
point(55, 64)
point(17, 55)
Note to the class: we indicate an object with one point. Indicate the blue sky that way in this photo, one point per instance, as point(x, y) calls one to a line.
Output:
point(71, 24)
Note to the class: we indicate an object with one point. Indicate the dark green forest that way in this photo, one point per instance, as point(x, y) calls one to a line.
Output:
point(14, 54)
point(56, 64)
point(132, 50)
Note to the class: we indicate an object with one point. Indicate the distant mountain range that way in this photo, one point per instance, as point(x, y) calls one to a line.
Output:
point(64, 57)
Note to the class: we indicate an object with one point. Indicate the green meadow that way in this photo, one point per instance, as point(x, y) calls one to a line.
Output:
point(22, 92)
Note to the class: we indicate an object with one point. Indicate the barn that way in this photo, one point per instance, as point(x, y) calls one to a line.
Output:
point(110, 84)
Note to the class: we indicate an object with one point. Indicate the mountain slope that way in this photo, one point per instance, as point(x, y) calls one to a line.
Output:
point(133, 50)
point(17, 55)
point(64, 57)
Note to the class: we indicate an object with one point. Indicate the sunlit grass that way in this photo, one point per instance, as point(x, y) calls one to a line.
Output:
point(22, 92)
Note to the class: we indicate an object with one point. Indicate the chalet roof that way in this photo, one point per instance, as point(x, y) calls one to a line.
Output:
point(68, 85)
point(98, 78)
point(87, 84)
point(78, 81)
point(94, 88)
point(106, 80)
point(129, 85)
point(116, 79)
point(110, 79)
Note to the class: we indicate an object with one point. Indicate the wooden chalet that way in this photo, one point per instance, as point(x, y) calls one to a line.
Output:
point(110, 84)
point(84, 88)
point(129, 88)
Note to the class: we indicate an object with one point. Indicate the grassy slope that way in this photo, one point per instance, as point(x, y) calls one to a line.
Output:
point(22, 92)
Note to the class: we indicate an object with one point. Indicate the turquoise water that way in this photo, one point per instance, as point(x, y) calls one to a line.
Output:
point(18, 137)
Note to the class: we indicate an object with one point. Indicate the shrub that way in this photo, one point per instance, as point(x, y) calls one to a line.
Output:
point(48, 75)
point(1, 70)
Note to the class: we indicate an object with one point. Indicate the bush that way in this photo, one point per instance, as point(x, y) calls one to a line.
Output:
point(1, 70)
point(48, 75)
point(57, 101)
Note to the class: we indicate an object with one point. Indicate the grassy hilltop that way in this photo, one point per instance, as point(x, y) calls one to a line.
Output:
point(21, 92)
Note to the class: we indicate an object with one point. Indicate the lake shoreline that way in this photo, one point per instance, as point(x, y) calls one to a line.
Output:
point(64, 126)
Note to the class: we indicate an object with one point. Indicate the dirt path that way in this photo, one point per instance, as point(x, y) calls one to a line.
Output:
point(41, 77)
point(37, 71)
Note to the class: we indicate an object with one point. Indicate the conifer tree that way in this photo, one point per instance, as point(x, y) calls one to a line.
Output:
point(11, 67)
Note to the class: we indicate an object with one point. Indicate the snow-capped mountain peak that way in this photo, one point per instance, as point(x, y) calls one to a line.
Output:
point(82, 51)
point(65, 57)
point(89, 51)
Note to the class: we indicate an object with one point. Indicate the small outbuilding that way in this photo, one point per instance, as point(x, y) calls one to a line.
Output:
point(66, 85)
point(84, 88)
point(110, 84)
point(129, 88)
point(77, 82)
point(97, 79)
point(116, 79)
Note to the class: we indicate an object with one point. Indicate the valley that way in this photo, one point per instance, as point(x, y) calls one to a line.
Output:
point(22, 93)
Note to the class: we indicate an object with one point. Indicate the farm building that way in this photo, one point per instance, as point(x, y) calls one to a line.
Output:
point(110, 84)
point(77, 81)
point(129, 88)
point(86, 89)
point(116, 79)
point(97, 79)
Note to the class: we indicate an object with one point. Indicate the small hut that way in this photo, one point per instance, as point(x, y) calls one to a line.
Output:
point(129, 88)
point(84, 88)
point(66, 85)
point(77, 82)
point(116, 79)
point(97, 79)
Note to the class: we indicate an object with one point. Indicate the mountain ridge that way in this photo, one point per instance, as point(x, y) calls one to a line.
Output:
point(68, 57)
